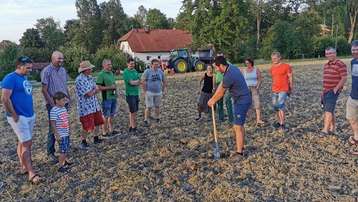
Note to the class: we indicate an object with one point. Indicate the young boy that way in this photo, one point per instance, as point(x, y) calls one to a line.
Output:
point(61, 129)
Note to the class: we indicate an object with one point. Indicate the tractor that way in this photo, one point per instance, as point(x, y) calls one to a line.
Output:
point(182, 61)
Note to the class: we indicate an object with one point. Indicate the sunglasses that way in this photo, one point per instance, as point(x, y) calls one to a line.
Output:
point(25, 59)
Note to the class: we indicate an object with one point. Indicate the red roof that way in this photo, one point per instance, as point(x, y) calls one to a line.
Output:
point(157, 40)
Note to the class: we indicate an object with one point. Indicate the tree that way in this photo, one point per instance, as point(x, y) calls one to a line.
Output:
point(91, 25)
point(51, 33)
point(352, 9)
point(115, 21)
point(31, 39)
point(117, 57)
point(74, 55)
point(8, 54)
point(156, 19)
point(185, 16)
point(141, 16)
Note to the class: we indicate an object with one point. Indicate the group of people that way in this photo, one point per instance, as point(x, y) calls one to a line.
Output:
point(243, 86)
point(94, 116)
point(237, 88)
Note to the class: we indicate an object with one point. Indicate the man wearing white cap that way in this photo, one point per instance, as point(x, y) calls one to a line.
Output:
point(87, 103)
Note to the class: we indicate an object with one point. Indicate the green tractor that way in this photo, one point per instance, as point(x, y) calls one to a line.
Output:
point(182, 61)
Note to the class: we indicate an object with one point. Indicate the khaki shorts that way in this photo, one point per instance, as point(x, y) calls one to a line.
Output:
point(153, 100)
point(352, 109)
point(255, 97)
point(23, 128)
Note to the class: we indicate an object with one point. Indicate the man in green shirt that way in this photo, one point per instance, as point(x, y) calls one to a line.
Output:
point(220, 104)
point(106, 82)
point(132, 82)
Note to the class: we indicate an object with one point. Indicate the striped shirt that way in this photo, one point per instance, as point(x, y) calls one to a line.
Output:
point(333, 72)
point(55, 78)
point(60, 116)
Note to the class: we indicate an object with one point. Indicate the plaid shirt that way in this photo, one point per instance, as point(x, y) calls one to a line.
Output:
point(55, 78)
point(86, 105)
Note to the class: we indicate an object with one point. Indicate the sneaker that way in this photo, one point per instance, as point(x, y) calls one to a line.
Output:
point(130, 130)
point(63, 169)
point(198, 118)
point(84, 145)
point(68, 163)
point(114, 132)
point(276, 125)
point(146, 123)
point(157, 120)
point(96, 140)
point(137, 130)
point(52, 158)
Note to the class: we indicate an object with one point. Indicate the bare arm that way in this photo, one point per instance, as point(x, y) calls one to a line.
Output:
point(54, 129)
point(134, 82)
point(5, 98)
point(219, 93)
point(290, 78)
point(103, 88)
point(47, 96)
point(259, 78)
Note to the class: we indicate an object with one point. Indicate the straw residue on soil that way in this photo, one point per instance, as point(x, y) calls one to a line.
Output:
point(172, 160)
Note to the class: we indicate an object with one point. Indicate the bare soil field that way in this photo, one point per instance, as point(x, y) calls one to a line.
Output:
point(172, 160)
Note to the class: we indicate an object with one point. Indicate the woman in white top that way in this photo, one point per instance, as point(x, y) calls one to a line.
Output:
point(253, 80)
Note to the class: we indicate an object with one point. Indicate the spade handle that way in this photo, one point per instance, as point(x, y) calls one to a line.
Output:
point(214, 124)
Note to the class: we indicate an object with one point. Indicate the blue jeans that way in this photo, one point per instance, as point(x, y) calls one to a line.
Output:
point(51, 140)
point(109, 107)
point(278, 100)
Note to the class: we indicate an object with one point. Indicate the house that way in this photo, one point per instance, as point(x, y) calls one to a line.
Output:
point(146, 44)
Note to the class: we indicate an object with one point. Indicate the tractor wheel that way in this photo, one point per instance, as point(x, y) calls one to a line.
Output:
point(181, 66)
point(199, 66)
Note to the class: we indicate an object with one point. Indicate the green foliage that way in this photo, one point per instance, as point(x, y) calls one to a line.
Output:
point(51, 33)
point(73, 57)
point(155, 19)
point(115, 21)
point(118, 58)
point(90, 33)
point(31, 39)
point(37, 54)
point(140, 17)
point(8, 55)
point(321, 43)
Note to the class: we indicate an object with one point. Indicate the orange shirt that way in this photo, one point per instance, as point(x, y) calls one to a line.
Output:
point(280, 80)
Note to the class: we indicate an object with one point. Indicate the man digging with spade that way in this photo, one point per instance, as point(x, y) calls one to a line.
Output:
point(234, 81)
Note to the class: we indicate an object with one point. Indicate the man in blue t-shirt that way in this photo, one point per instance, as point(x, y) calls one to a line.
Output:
point(18, 103)
point(154, 84)
point(234, 81)
point(352, 102)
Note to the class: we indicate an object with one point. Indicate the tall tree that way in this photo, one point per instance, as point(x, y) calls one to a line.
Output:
point(185, 16)
point(91, 25)
point(352, 8)
point(115, 21)
point(141, 16)
point(51, 33)
point(156, 19)
point(31, 39)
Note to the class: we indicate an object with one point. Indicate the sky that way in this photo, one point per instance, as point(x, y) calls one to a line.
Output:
point(18, 15)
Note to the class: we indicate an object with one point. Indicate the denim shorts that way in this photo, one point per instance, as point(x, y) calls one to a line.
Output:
point(64, 144)
point(329, 101)
point(109, 108)
point(133, 103)
point(278, 100)
point(240, 112)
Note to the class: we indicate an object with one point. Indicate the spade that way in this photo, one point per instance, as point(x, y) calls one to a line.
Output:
point(216, 146)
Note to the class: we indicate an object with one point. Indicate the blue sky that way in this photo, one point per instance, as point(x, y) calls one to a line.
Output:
point(18, 15)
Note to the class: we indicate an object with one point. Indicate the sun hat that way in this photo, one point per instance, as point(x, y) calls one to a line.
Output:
point(85, 65)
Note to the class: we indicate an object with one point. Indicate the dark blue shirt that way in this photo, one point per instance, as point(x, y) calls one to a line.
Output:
point(21, 97)
point(235, 82)
point(354, 92)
